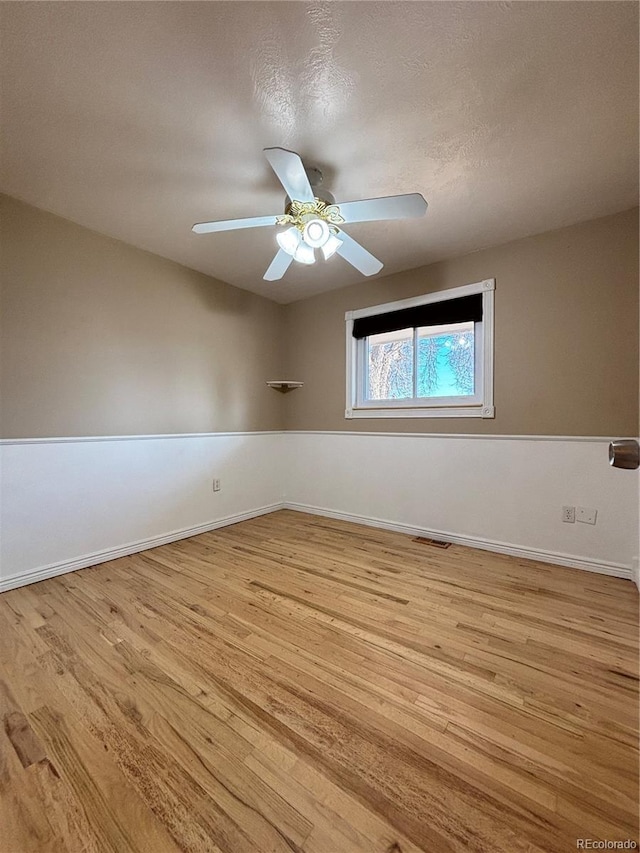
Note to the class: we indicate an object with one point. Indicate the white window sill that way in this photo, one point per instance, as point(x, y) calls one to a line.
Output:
point(443, 412)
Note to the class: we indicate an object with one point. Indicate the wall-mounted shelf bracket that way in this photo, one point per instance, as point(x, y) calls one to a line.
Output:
point(284, 385)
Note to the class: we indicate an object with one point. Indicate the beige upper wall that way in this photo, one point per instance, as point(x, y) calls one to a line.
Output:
point(100, 338)
point(566, 336)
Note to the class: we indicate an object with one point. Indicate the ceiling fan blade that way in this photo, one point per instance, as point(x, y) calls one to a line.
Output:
point(233, 224)
point(388, 207)
point(288, 167)
point(278, 266)
point(358, 256)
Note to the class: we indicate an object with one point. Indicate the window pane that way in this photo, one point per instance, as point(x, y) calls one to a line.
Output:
point(390, 365)
point(446, 361)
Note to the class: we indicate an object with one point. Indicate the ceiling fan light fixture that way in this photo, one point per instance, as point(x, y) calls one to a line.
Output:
point(316, 233)
point(304, 254)
point(331, 246)
point(289, 240)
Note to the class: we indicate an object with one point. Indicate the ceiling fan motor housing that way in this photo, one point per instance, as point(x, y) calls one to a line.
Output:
point(315, 179)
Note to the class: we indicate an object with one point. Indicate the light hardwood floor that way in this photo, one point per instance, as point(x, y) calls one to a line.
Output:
point(294, 683)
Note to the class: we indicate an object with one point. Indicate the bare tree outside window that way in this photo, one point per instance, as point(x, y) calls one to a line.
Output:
point(391, 367)
point(445, 363)
point(461, 358)
point(428, 379)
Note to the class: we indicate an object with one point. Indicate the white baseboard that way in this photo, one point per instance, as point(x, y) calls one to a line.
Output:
point(604, 568)
point(43, 572)
point(87, 560)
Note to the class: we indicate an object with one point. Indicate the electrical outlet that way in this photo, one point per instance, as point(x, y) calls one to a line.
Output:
point(569, 514)
point(216, 485)
point(586, 514)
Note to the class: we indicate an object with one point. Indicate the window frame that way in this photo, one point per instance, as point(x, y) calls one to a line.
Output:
point(480, 405)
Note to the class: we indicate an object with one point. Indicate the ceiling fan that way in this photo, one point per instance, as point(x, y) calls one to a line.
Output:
point(314, 221)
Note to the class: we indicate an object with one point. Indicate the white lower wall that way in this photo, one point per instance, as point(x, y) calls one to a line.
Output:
point(501, 493)
point(71, 503)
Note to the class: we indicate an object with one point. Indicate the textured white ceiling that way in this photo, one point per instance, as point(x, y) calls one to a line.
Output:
point(139, 119)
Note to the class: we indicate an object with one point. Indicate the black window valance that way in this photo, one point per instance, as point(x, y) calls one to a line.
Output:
point(460, 310)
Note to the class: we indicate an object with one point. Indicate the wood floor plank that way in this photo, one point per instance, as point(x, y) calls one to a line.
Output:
point(295, 683)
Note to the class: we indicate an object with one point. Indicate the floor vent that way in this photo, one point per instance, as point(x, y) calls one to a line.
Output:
point(435, 543)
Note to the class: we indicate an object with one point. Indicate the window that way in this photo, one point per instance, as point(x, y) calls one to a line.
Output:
point(427, 357)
